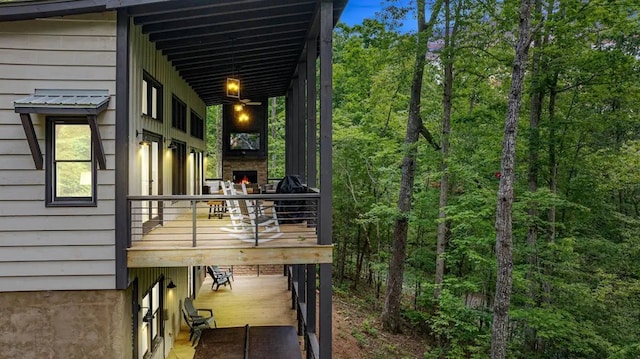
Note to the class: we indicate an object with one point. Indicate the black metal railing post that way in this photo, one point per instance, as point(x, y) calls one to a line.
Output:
point(194, 229)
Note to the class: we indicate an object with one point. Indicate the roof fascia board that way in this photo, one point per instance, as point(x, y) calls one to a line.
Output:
point(115, 4)
point(52, 110)
point(39, 9)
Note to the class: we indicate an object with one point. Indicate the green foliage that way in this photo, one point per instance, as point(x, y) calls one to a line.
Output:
point(576, 289)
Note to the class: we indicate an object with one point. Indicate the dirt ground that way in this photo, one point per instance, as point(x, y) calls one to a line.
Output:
point(358, 334)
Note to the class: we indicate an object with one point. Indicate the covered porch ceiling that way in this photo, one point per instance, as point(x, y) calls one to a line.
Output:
point(258, 41)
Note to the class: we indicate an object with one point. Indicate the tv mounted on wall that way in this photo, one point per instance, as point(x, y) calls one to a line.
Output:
point(244, 141)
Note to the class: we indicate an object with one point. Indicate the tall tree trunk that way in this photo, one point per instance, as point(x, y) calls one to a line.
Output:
point(553, 161)
point(443, 225)
point(504, 240)
point(535, 113)
point(391, 313)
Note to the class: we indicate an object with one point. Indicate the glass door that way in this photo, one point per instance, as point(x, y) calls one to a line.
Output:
point(151, 167)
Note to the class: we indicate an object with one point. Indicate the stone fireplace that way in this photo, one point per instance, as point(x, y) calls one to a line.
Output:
point(236, 165)
point(245, 176)
point(238, 156)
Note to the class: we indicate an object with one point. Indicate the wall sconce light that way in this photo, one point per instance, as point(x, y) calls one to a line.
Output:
point(171, 285)
point(193, 150)
point(172, 146)
point(143, 142)
point(148, 317)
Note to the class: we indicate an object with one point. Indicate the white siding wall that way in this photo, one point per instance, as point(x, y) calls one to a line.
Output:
point(54, 248)
point(145, 57)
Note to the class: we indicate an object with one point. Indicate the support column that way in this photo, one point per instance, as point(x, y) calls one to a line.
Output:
point(302, 128)
point(294, 126)
point(326, 170)
point(312, 161)
point(288, 150)
point(311, 298)
point(122, 222)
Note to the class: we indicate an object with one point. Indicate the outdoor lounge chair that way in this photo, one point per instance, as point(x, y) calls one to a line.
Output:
point(194, 314)
point(249, 220)
point(228, 272)
point(218, 280)
point(195, 327)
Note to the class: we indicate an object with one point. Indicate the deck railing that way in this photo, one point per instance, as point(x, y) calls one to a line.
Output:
point(209, 220)
point(301, 283)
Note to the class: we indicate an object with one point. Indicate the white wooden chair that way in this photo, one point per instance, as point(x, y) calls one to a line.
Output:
point(248, 220)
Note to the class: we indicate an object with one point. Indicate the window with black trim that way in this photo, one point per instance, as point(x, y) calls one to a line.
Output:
point(197, 126)
point(152, 323)
point(151, 97)
point(71, 165)
point(178, 114)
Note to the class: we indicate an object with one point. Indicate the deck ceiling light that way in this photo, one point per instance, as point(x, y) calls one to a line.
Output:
point(238, 107)
point(233, 87)
point(243, 117)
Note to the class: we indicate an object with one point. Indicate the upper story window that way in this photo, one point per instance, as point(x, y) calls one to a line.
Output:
point(197, 126)
point(71, 166)
point(151, 97)
point(178, 114)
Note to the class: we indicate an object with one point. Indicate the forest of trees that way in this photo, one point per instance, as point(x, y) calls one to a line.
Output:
point(576, 179)
point(424, 123)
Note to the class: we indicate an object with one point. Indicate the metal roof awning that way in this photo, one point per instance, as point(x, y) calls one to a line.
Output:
point(64, 102)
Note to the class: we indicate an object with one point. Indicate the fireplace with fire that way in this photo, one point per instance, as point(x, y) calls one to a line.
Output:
point(246, 177)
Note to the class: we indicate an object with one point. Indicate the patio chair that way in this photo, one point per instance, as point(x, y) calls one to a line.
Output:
point(247, 218)
point(228, 272)
point(233, 208)
point(218, 280)
point(194, 313)
point(195, 327)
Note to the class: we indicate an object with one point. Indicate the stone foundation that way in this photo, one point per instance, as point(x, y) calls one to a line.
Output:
point(66, 324)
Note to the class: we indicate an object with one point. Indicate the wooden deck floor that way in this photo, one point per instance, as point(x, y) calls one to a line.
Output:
point(253, 300)
point(172, 245)
point(217, 232)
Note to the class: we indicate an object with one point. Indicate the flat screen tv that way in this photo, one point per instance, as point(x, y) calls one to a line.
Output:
point(244, 141)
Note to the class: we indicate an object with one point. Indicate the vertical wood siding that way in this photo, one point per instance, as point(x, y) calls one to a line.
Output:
point(54, 248)
point(145, 57)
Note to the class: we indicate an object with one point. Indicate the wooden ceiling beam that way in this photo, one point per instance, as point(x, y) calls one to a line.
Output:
point(229, 28)
point(234, 16)
point(208, 40)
